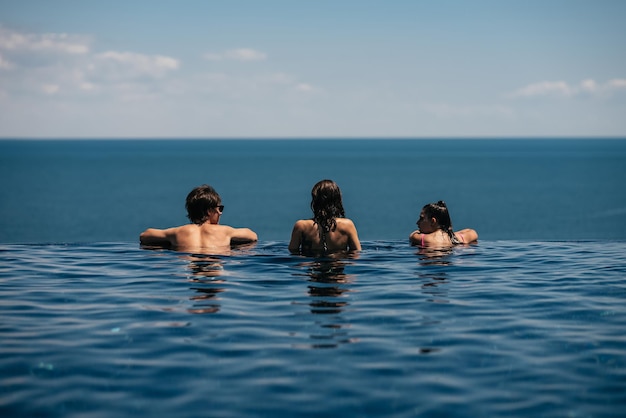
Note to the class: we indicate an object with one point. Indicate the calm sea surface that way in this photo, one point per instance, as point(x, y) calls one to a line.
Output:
point(503, 328)
point(530, 322)
point(110, 191)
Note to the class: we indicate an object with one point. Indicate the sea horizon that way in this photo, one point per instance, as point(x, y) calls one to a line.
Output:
point(312, 138)
point(96, 190)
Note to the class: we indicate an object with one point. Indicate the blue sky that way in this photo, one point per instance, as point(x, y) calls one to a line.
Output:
point(124, 69)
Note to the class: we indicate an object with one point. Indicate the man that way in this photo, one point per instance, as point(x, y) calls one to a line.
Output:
point(204, 209)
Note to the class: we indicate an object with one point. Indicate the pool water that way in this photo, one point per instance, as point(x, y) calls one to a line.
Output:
point(502, 328)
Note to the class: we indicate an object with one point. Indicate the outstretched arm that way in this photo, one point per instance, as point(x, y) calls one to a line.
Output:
point(242, 235)
point(153, 236)
point(353, 238)
point(469, 235)
point(296, 239)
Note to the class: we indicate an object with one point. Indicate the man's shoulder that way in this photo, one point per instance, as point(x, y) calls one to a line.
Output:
point(185, 230)
point(216, 227)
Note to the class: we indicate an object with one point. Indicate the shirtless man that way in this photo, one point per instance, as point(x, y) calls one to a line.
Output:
point(204, 209)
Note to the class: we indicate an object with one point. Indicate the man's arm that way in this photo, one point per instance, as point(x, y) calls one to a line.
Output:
point(242, 235)
point(153, 236)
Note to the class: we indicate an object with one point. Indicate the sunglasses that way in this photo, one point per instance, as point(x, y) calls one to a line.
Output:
point(220, 207)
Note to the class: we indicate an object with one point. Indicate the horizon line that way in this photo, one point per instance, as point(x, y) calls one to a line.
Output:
point(299, 138)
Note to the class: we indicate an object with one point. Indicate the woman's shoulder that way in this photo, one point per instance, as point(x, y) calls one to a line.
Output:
point(303, 223)
point(344, 223)
point(425, 238)
point(417, 238)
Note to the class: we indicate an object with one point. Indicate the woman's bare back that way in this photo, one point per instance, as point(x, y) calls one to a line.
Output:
point(308, 238)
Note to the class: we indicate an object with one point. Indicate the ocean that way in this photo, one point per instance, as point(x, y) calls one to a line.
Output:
point(529, 322)
point(109, 191)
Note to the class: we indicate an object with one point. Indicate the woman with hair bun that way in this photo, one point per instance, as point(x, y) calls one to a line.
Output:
point(435, 228)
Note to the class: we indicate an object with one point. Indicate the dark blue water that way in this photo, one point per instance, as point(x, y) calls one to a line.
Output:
point(500, 329)
point(109, 191)
point(528, 323)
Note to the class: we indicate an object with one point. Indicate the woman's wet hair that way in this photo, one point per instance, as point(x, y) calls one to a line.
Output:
point(199, 201)
point(326, 204)
point(439, 211)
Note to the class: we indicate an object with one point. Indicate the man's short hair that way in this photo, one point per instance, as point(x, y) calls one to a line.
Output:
point(199, 201)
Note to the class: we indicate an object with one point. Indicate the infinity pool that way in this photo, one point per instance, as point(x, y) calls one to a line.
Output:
point(502, 328)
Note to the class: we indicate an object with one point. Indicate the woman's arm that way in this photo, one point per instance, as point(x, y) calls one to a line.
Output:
point(468, 235)
point(353, 237)
point(296, 238)
point(415, 238)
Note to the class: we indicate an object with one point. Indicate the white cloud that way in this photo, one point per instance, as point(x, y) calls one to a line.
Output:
point(241, 86)
point(133, 64)
point(240, 54)
point(4, 64)
point(50, 88)
point(86, 86)
point(112, 75)
point(617, 83)
point(304, 87)
point(64, 64)
point(11, 40)
point(74, 78)
point(245, 54)
point(564, 90)
point(213, 57)
point(589, 86)
point(545, 88)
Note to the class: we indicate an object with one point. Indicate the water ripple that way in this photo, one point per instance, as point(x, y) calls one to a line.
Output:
point(503, 328)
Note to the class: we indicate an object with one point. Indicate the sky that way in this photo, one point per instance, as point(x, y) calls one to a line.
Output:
point(312, 69)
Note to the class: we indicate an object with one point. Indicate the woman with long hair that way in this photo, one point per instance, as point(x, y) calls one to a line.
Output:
point(435, 228)
point(329, 231)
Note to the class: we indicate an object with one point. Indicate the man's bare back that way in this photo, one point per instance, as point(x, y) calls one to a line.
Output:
point(204, 209)
point(191, 236)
